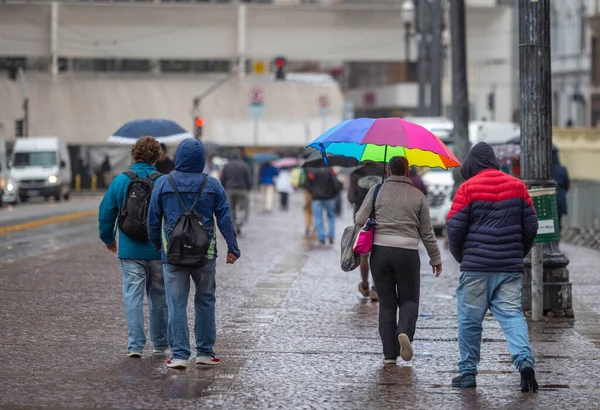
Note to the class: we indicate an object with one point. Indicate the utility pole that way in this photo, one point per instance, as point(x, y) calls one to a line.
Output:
point(423, 68)
point(436, 59)
point(547, 268)
point(460, 86)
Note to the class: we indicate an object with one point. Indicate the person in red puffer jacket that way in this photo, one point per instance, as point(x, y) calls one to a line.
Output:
point(491, 227)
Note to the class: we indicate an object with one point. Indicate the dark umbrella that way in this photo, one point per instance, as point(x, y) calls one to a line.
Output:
point(315, 160)
point(264, 157)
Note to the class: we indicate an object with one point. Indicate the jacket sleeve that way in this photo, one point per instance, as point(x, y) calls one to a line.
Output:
point(155, 214)
point(427, 234)
point(352, 188)
point(365, 209)
point(530, 222)
point(457, 224)
point(109, 210)
point(247, 178)
point(224, 222)
point(225, 176)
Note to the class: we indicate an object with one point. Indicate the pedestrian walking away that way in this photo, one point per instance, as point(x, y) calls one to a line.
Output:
point(284, 187)
point(417, 181)
point(361, 181)
point(140, 262)
point(164, 164)
point(266, 178)
point(323, 187)
point(561, 177)
point(491, 227)
point(236, 178)
point(402, 221)
point(188, 192)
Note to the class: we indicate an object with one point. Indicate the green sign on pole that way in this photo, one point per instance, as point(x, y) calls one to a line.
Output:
point(544, 201)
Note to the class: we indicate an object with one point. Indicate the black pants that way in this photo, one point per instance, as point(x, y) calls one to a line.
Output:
point(283, 200)
point(397, 276)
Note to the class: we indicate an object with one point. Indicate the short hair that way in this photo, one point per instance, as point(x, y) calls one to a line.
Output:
point(146, 149)
point(399, 165)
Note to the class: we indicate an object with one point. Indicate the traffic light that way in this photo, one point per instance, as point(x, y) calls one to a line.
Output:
point(198, 124)
point(491, 101)
point(20, 127)
point(280, 63)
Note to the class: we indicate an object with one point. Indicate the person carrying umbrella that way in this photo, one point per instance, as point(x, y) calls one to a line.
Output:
point(402, 221)
point(165, 165)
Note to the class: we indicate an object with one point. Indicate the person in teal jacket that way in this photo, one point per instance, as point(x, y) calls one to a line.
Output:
point(140, 261)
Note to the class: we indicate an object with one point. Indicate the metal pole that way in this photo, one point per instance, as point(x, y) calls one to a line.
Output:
point(25, 92)
point(255, 131)
point(460, 87)
point(241, 39)
point(436, 59)
point(406, 44)
point(536, 117)
point(54, 38)
point(423, 54)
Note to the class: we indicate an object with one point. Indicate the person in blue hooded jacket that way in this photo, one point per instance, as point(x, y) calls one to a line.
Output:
point(140, 262)
point(165, 208)
point(561, 176)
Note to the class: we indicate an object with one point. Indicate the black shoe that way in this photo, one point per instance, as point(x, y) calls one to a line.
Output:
point(464, 381)
point(528, 382)
point(331, 241)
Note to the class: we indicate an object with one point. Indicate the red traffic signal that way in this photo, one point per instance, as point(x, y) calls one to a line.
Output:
point(280, 62)
point(199, 122)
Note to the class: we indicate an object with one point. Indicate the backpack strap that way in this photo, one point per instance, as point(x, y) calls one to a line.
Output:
point(130, 174)
point(199, 192)
point(154, 176)
point(177, 193)
point(179, 196)
point(377, 188)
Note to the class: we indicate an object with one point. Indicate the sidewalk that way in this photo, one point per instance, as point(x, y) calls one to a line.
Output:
point(292, 333)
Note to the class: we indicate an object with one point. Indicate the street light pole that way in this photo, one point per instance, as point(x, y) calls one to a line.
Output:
point(436, 68)
point(547, 266)
point(460, 86)
point(423, 29)
point(407, 43)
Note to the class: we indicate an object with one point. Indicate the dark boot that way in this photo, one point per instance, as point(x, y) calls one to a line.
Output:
point(464, 381)
point(528, 382)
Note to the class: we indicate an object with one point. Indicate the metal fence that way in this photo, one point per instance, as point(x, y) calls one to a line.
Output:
point(583, 201)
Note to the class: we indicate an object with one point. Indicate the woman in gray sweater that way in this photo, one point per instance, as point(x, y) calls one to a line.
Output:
point(402, 216)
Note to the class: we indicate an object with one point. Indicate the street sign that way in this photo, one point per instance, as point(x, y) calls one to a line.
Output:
point(256, 95)
point(323, 101)
point(259, 67)
point(255, 110)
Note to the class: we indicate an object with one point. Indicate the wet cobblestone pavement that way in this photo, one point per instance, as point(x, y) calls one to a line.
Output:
point(293, 333)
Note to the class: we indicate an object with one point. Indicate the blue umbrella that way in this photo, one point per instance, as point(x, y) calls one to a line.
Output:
point(264, 157)
point(164, 131)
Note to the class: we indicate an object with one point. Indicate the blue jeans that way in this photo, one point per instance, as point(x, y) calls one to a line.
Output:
point(177, 283)
point(318, 207)
point(139, 274)
point(501, 294)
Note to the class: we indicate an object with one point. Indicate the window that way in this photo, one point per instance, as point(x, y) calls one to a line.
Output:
point(44, 159)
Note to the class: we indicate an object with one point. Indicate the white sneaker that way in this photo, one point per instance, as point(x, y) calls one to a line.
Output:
point(389, 361)
point(208, 360)
point(135, 355)
point(177, 363)
point(158, 351)
point(406, 350)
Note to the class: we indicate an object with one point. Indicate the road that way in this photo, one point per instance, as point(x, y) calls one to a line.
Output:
point(292, 332)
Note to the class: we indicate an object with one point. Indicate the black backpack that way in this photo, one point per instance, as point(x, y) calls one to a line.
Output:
point(133, 215)
point(189, 240)
point(365, 184)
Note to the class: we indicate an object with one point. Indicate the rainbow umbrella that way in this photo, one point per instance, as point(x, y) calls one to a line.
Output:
point(379, 139)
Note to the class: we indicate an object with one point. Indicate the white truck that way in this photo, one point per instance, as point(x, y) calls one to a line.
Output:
point(39, 167)
point(439, 182)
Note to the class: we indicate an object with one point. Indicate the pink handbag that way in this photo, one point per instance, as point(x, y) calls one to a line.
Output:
point(364, 239)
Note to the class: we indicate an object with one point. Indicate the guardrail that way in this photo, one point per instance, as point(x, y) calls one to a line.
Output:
point(582, 224)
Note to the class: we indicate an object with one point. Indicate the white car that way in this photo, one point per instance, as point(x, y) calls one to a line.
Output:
point(440, 184)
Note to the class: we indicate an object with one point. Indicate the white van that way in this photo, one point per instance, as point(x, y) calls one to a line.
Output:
point(39, 167)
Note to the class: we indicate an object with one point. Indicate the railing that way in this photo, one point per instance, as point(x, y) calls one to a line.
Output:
point(583, 202)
